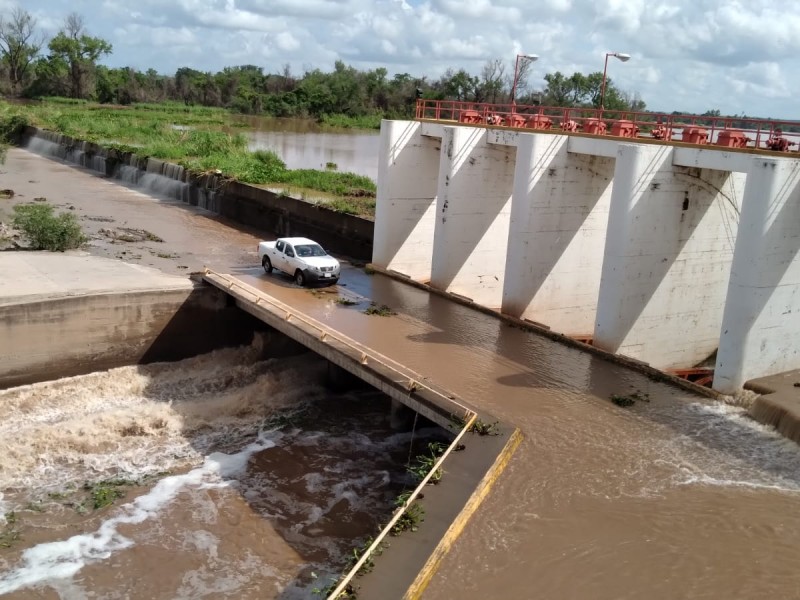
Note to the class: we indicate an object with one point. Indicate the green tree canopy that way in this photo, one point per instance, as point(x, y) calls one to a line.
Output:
point(79, 51)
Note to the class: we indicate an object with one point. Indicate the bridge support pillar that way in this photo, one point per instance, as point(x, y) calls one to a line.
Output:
point(559, 216)
point(408, 173)
point(339, 380)
point(472, 215)
point(400, 416)
point(668, 252)
point(760, 333)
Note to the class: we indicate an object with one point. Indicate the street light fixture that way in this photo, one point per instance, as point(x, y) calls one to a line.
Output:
point(622, 57)
point(520, 58)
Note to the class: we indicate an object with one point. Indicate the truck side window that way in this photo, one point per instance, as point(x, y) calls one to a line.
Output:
point(279, 246)
point(289, 251)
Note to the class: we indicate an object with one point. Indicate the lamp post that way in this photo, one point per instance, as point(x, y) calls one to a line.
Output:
point(520, 58)
point(624, 58)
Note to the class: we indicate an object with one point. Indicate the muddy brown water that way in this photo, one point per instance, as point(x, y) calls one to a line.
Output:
point(678, 497)
point(303, 144)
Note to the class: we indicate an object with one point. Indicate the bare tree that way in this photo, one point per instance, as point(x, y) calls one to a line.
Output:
point(492, 79)
point(19, 44)
point(74, 26)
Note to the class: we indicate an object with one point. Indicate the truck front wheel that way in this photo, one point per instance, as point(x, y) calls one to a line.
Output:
point(299, 278)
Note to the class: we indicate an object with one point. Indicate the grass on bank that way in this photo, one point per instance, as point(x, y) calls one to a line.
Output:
point(348, 122)
point(191, 137)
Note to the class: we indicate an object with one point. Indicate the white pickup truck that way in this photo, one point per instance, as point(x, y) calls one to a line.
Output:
point(303, 259)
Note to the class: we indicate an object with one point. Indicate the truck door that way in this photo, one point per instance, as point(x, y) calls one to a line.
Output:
point(277, 256)
point(289, 260)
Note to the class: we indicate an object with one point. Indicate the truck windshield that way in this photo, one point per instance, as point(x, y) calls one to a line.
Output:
point(310, 250)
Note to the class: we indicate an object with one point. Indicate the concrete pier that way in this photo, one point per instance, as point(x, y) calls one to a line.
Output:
point(408, 176)
point(667, 258)
point(760, 328)
point(558, 229)
point(473, 208)
point(627, 243)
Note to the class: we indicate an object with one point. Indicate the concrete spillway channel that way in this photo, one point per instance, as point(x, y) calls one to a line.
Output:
point(407, 562)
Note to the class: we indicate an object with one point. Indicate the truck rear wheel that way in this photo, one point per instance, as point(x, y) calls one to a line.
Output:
point(265, 262)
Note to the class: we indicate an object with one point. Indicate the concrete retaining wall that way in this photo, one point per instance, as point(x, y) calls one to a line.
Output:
point(245, 204)
point(74, 335)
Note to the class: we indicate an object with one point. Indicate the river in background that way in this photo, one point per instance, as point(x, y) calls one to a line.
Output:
point(304, 144)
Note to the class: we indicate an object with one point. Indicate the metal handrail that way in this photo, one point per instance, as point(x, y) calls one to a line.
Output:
point(326, 332)
point(387, 529)
point(763, 129)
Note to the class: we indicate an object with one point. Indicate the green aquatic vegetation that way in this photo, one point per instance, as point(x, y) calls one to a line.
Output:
point(424, 463)
point(105, 493)
point(9, 534)
point(380, 311)
point(630, 399)
point(483, 428)
point(341, 300)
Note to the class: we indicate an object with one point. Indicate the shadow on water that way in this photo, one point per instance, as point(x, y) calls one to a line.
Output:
point(558, 376)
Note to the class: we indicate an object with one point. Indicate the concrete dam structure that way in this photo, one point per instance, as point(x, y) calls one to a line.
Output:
point(670, 254)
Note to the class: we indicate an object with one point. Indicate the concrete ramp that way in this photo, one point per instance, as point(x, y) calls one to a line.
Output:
point(382, 373)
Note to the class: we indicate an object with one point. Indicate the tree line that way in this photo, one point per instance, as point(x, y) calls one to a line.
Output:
point(68, 66)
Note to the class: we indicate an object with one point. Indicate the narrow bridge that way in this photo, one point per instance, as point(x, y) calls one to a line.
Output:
point(381, 372)
point(680, 255)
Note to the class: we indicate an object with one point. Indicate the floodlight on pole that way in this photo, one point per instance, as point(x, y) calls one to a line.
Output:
point(623, 58)
point(521, 58)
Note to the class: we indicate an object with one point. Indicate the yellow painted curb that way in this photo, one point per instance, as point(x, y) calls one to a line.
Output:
point(457, 527)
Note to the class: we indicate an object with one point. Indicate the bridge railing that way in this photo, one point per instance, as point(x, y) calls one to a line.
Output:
point(412, 382)
point(730, 132)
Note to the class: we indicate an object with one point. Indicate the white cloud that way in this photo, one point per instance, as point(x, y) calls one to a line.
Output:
point(734, 55)
point(286, 41)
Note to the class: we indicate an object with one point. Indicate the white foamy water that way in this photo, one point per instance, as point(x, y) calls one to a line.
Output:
point(247, 480)
point(63, 559)
point(140, 420)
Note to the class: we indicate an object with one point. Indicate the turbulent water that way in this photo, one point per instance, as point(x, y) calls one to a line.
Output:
point(238, 477)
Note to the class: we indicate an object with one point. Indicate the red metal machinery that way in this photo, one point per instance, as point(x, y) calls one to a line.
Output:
point(695, 135)
point(594, 126)
point(725, 132)
point(624, 128)
point(539, 122)
point(661, 132)
point(732, 138)
point(470, 116)
point(569, 125)
point(699, 375)
point(779, 143)
point(516, 120)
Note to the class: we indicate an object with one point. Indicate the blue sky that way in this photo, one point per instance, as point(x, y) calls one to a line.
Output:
point(691, 55)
